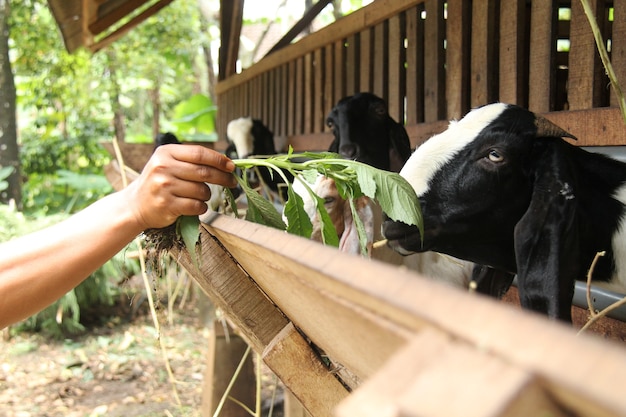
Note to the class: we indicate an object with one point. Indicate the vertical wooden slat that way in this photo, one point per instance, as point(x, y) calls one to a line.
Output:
point(291, 98)
point(415, 66)
point(484, 77)
point(299, 97)
point(396, 69)
point(265, 103)
point(277, 104)
point(618, 47)
point(329, 86)
point(381, 49)
point(352, 64)
point(366, 64)
point(271, 98)
point(308, 93)
point(458, 28)
point(513, 66)
point(339, 70)
point(542, 59)
point(434, 56)
point(284, 88)
point(318, 109)
point(584, 88)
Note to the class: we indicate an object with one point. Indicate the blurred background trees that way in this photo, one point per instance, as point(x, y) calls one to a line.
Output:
point(58, 107)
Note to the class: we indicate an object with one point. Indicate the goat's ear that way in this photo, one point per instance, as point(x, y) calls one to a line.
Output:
point(547, 129)
point(546, 237)
point(400, 146)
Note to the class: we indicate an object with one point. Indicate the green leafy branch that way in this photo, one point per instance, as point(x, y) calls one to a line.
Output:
point(353, 180)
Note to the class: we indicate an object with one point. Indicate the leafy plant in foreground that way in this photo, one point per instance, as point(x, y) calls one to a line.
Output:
point(353, 180)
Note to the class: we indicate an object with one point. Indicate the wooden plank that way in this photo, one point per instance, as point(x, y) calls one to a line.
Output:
point(311, 142)
point(345, 308)
point(434, 62)
point(513, 64)
point(284, 99)
point(618, 47)
point(483, 84)
point(595, 127)
point(231, 15)
point(458, 30)
point(352, 66)
point(396, 71)
point(292, 360)
point(415, 66)
point(309, 94)
point(380, 57)
point(433, 376)
point(291, 98)
point(542, 70)
point(298, 108)
point(339, 70)
point(329, 83)
point(318, 89)
point(366, 67)
point(264, 326)
point(308, 297)
point(585, 70)
point(300, 25)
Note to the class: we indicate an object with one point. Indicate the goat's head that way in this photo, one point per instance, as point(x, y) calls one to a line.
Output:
point(247, 137)
point(492, 186)
point(340, 213)
point(365, 132)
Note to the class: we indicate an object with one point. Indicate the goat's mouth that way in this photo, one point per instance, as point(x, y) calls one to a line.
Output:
point(402, 238)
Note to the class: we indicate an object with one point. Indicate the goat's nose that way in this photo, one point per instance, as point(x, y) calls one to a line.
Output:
point(348, 151)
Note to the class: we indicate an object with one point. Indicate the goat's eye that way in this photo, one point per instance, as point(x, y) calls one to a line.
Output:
point(494, 156)
point(329, 123)
point(329, 200)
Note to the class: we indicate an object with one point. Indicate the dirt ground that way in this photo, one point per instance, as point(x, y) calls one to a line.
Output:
point(113, 370)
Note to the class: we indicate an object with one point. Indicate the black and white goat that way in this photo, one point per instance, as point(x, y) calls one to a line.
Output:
point(364, 131)
point(248, 137)
point(501, 187)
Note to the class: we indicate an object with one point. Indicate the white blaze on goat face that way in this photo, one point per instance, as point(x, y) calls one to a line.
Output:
point(239, 131)
point(441, 148)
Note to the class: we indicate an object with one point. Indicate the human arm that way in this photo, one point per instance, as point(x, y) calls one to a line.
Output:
point(37, 269)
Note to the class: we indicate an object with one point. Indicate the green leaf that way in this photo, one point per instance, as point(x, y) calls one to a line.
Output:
point(327, 227)
point(260, 210)
point(297, 218)
point(360, 228)
point(188, 228)
point(231, 201)
point(5, 172)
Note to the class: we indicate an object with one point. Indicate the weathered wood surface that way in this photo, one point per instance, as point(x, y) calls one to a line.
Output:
point(432, 66)
point(418, 345)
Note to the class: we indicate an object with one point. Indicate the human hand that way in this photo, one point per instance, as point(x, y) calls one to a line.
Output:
point(172, 183)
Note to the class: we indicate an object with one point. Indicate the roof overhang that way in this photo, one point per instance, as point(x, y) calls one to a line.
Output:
point(94, 24)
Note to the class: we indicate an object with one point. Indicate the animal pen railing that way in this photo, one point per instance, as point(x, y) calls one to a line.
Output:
point(420, 349)
point(433, 60)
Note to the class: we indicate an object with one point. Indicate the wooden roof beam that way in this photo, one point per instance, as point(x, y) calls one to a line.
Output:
point(231, 17)
point(107, 18)
point(122, 30)
point(305, 21)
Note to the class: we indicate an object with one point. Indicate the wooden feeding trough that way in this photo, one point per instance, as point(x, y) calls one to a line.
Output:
point(408, 346)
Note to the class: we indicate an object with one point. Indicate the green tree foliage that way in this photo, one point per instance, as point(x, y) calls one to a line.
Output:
point(65, 106)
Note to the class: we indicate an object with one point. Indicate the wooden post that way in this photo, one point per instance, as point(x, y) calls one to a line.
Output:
point(225, 352)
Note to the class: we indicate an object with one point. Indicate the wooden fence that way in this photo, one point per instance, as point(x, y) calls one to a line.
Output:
point(421, 349)
point(411, 347)
point(434, 60)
